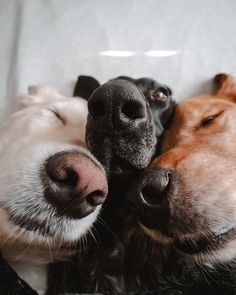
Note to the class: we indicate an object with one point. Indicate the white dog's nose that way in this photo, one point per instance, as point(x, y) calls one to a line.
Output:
point(74, 184)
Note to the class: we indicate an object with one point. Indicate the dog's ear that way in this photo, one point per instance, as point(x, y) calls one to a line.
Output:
point(225, 86)
point(85, 86)
point(38, 94)
point(40, 90)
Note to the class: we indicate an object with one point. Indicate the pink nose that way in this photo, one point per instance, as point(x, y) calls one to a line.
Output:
point(74, 184)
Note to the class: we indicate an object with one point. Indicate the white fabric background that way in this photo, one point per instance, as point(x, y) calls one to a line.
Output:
point(53, 41)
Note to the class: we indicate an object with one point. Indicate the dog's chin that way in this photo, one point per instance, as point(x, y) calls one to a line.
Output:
point(217, 246)
point(58, 231)
point(155, 235)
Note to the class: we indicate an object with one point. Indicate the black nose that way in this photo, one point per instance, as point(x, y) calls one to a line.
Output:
point(119, 102)
point(74, 184)
point(151, 189)
point(120, 129)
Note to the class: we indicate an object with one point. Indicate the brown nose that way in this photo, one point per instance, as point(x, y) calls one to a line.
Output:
point(74, 183)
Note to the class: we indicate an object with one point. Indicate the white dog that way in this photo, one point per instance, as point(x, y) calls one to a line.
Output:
point(51, 187)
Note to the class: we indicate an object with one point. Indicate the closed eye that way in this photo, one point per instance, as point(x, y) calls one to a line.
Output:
point(209, 120)
point(58, 116)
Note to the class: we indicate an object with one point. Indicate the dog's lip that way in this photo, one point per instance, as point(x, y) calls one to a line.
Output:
point(206, 243)
point(74, 212)
point(156, 235)
point(32, 225)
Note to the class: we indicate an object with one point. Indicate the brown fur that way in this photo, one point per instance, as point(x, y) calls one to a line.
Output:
point(201, 155)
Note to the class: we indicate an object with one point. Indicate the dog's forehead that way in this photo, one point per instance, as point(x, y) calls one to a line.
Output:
point(188, 117)
point(44, 118)
point(193, 110)
point(70, 107)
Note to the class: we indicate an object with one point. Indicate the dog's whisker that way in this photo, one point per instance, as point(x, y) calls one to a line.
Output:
point(104, 224)
point(50, 252)
point(96, 234)
point(24, 250)
point(91, 233)
point(9, 236)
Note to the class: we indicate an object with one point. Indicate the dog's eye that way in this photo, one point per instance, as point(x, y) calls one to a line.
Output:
point(58, 116)
point(160, 93)
point(208, 120)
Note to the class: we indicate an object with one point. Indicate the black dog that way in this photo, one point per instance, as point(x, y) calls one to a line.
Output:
point(126, 120)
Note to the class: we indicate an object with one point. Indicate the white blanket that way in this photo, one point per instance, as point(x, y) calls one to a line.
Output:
point(182, 43)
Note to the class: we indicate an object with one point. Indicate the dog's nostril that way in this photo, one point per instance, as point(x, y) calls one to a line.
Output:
point(97, 109)
point(133, 110)
point(65, 177)
point(153, 187)
point(149, 194)
point(152, 195)
point(96, 198)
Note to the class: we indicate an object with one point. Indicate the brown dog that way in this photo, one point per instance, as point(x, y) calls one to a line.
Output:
point(187, 198)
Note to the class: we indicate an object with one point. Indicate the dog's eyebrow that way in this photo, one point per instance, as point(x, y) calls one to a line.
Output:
point(63, 120)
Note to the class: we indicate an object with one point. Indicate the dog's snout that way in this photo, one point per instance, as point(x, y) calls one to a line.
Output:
point(75, 184)
point(151, 188)
point(122, 103)
point(98, 108)
point(120, 128)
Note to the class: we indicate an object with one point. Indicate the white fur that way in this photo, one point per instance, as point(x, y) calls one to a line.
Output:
point(27, 139)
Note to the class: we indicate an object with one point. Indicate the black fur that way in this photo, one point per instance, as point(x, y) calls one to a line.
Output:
point(150, 266)
point(11, 283)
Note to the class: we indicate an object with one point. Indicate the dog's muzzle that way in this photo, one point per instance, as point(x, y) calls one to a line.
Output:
point(120, 128)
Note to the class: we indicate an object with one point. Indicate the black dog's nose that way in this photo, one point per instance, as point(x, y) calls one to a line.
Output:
point(120, 128)
point(119, 102)
point(74, 184)
point(150, 189)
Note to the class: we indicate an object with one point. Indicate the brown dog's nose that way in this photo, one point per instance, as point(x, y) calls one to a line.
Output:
point(150, 189)
point(149, 197)
point(75, 184)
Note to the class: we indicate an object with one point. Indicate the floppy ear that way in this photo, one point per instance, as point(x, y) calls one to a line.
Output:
point(85, 86)
point(225, 86)
point(38, 94)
